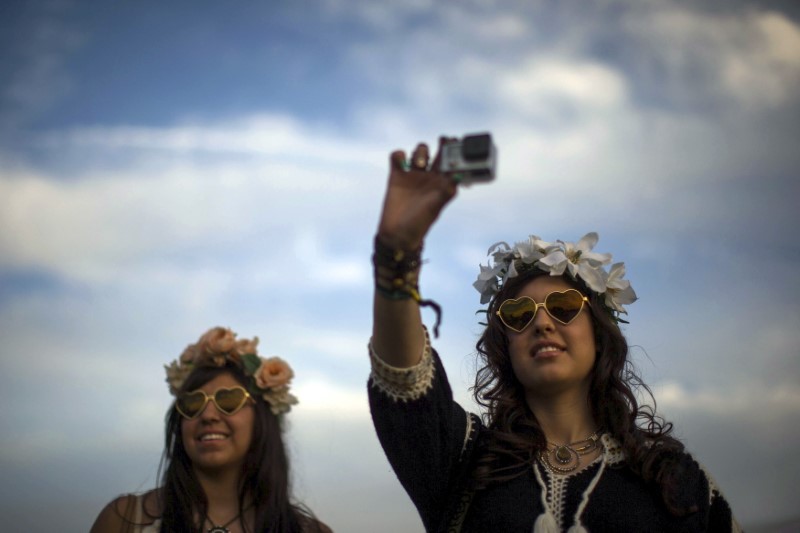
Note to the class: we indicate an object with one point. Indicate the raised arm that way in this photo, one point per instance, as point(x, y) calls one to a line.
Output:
point(416, 193)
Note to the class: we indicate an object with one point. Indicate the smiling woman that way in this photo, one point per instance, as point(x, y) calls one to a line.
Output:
point(563, 444)
point(225, 467)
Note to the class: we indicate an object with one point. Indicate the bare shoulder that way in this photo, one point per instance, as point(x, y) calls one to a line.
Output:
point(323, 528)
point(312, 525)
point(120, 514)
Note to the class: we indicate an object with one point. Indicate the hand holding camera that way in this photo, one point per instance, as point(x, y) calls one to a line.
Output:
point(419, 189)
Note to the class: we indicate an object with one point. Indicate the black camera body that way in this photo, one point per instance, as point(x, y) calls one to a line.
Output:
point(472, 159)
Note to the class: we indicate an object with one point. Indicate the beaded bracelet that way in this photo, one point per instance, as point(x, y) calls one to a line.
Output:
point(397, 276)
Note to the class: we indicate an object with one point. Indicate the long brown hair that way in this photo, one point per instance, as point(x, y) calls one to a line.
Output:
point(514, 434)
point(264, 478)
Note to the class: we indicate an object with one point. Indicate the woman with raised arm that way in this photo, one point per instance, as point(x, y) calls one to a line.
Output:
point(563, 444)
point(225, 467)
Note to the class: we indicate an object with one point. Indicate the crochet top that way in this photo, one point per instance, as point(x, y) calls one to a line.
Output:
point(432, 444)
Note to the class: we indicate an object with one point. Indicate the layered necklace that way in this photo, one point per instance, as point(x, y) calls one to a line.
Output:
point(566, 458)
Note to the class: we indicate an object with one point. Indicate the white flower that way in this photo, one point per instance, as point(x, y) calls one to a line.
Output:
point(579, 260)
point(487, 283)
point(576, 259)
point(531, 250)
point(618, 291)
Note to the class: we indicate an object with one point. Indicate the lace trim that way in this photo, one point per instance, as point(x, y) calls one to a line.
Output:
point(403, 384)
point(469, 434)
point(715, 492)
point(612, 450)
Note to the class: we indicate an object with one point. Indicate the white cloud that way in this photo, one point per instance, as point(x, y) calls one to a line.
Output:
point(751, 56)
point(750, 402)
point(540, 85)
point(333, 343)
point(321, 398)
point(767, 72)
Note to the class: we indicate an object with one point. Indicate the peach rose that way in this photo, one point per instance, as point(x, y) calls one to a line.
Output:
point(189, 355)
point(176, 375)
point(218, 341)
point(273, 373)
point(246, 346)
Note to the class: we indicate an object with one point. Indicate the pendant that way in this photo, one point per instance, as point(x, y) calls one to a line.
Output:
point(563, 454)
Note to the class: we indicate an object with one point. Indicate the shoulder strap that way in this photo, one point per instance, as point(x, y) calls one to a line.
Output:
point(138, 510)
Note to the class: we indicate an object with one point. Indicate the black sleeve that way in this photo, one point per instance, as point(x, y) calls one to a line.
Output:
point(423, 439)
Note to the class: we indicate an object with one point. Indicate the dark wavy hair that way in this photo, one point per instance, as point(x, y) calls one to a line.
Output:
point(264, 477)
point(515, 436)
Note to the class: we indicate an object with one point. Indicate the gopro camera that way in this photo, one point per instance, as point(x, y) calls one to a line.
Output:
point(472, 159)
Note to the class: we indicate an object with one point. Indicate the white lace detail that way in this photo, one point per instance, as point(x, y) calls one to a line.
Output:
point(556, 494)
point(546, 522)
point(713, 488)
point(468, 435)
point(403, 384)
point(612, 449)
point(713, 492)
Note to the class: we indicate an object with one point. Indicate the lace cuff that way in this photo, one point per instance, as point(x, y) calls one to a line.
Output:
point(403, 384)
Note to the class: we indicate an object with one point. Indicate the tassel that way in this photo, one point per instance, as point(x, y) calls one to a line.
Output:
point(546, 523)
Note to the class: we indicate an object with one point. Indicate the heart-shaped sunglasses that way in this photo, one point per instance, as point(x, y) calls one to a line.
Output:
point(227, 401)
point(563, 306)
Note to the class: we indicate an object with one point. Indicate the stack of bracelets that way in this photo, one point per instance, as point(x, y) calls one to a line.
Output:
point(397, 276)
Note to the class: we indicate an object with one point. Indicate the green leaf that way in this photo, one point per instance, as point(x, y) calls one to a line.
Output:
point(251, 362)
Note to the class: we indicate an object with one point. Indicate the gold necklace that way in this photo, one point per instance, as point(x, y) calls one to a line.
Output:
point(562, 455)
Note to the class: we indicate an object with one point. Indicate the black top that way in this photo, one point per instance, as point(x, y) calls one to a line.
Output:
point(431, 443)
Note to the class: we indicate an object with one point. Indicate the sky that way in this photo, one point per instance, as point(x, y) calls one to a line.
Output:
point(167, 167)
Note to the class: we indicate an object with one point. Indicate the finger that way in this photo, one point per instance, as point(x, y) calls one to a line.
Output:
point(421, 156)
point(438, 159)
point(397, 161)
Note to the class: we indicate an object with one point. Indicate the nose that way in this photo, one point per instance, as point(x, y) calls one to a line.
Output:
point(210, 412)
point(542, 322)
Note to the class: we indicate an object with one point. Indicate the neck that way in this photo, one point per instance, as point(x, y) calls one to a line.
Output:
point(564, 418)
point(222, 492)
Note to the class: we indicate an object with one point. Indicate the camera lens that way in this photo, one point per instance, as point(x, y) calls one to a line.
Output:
point(476, 147)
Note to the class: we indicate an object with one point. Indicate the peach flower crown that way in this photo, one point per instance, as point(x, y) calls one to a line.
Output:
point(270, 377)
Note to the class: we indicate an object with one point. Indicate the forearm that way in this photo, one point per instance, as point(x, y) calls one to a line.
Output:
point(397, 335)
point(414, 198)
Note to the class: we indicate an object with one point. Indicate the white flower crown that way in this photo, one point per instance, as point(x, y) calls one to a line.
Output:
point(270, 377)
point(576, 259)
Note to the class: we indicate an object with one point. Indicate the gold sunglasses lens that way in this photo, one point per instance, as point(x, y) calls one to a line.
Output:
point(230, 400)
point(564, 306)
point(191, 404)
point(517, 313)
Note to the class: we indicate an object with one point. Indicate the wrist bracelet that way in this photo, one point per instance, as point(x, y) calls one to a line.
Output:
point(397, 276)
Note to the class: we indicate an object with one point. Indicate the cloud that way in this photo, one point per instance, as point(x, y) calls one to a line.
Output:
point(543, 84)
point(749, 57)
point(35, 70)
point(742, 402)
